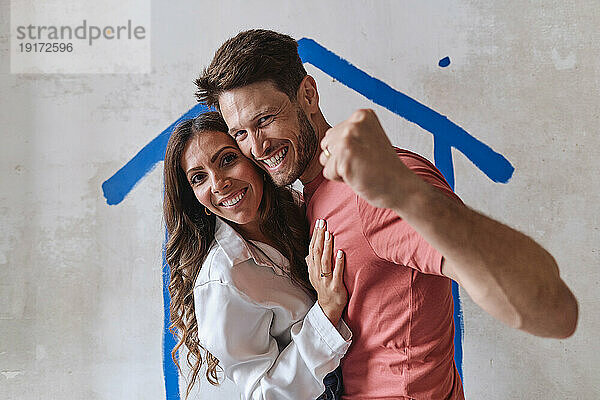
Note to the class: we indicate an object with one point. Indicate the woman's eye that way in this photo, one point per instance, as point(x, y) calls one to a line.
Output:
point(228, 159)
point(197, 179)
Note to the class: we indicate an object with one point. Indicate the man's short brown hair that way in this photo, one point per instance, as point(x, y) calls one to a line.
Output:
point(252, 56)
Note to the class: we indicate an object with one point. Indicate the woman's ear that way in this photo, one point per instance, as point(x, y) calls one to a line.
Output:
point(308, 96)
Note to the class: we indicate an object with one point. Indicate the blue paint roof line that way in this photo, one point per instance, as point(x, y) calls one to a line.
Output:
point(494, 165)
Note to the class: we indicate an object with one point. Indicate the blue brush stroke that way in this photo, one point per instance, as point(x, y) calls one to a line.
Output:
point(442, 155)
point(444, 62)
point(459, 331)
point(170, 372)
point(120, 184)
point(445, 133)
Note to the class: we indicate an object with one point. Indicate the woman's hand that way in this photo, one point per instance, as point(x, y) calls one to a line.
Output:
point(328, 281)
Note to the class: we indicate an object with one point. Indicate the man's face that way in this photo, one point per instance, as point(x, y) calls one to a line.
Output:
point(270, 129)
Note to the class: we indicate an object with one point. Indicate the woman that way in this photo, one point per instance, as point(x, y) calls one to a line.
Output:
point(241, 290)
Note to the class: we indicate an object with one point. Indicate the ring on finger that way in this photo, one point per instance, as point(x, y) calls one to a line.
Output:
point(325, 274)
point(327, 153)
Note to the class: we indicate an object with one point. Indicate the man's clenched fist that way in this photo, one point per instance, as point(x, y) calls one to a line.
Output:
point(358, 152)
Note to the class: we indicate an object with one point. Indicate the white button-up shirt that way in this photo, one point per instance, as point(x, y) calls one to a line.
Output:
point(270, 337)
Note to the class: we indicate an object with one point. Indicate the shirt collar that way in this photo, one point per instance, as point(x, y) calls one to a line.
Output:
point(311, 187)
point(238, 250)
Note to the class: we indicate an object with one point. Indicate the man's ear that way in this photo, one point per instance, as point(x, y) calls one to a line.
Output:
point(308, 96)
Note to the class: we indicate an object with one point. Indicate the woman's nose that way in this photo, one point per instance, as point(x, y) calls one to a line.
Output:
point(220, 183)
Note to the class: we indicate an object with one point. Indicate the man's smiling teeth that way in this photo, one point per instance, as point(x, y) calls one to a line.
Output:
point(276, 159)
point(235, 200)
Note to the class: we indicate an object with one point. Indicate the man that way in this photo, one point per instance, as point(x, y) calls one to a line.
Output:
point(403, 230)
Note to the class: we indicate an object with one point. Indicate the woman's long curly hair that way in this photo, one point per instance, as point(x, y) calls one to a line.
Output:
point(191, 232)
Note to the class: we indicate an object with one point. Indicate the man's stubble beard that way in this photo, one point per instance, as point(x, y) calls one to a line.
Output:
point(307, 147)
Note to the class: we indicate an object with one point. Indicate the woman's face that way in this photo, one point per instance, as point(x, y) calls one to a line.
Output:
point(223, 180)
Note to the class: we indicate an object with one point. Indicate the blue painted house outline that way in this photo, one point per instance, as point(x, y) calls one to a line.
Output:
point(446, 135)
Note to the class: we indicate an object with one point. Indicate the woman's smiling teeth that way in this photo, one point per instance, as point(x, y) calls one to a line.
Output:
point(234, 200)
point(276, 159)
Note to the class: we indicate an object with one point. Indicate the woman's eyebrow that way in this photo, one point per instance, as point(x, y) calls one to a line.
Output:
point(212, 160)
point(214, 157)
point(193, 169)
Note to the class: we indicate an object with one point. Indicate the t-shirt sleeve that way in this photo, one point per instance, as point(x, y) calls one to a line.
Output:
point(424, 169)
point(393, 239)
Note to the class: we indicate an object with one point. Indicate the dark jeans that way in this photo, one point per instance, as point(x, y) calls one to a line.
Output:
point(334, 387)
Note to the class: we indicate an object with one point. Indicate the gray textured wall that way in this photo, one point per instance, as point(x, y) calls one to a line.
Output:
point(80, 281)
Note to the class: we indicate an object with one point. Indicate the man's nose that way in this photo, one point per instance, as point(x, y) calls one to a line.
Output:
point(258, 144)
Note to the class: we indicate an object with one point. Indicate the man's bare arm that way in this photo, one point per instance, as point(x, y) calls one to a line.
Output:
point(505, 272)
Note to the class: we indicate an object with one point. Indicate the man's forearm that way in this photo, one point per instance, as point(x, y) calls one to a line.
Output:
point(505, 272)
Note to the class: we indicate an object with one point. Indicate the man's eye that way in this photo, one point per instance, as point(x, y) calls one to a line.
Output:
point(239, 135)
point(265, 120)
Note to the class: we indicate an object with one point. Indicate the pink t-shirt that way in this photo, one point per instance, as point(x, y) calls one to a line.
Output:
point(400, 307)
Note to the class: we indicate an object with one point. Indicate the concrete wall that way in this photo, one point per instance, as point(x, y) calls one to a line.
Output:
point(81, 311)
